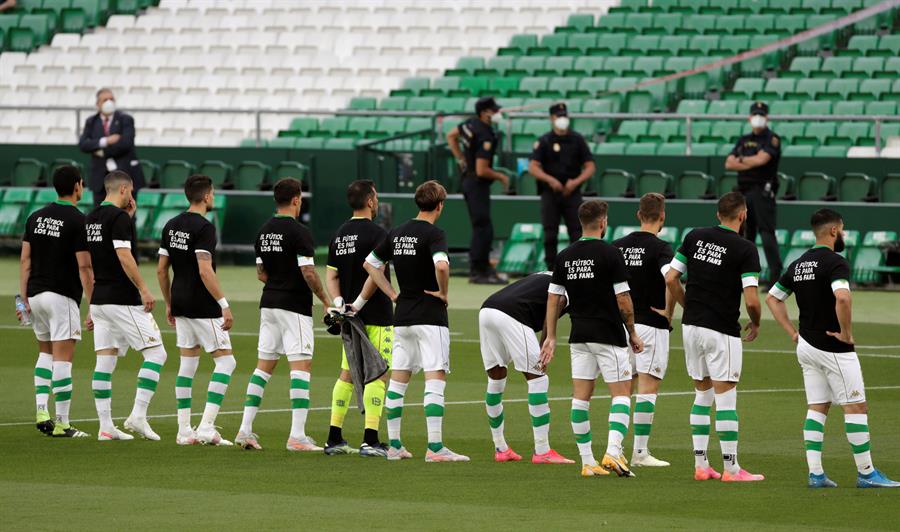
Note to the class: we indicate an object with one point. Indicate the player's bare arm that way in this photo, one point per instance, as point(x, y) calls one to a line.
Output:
point(315, 284)
point(24, 274)
point(86, 274)
point(130, 267)
point(754, 311)
point(211, 282)
point(626, 310)
point(380, 279)
point(261, 273)
point(842, 306)
point(779, 311)
point(165, 286)
point(442, 274)
point(675, 288)
point(548, 346)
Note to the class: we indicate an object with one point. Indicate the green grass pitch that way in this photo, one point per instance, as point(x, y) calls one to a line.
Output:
point(51, 483)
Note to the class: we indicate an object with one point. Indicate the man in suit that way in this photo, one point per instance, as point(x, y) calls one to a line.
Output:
point(109, 137)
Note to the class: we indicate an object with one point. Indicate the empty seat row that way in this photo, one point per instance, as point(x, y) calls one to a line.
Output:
point(834, 90)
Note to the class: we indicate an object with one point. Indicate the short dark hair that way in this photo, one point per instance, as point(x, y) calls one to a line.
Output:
point(101, 90)
point(197, 186)
point(429, 195)
point(592, 211)
point(285, 190)
point(652, 206)
point(359, 192)
point(823, 218)
point(731, 204)
point(65, 178)
point(115, 179)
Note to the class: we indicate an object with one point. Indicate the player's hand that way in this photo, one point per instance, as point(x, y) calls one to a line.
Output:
point(131, 208)
point(27, 309)
point(847, 338)
point(147, 300)
point(439, 295)
point(461, 163)
point(504, 180)
point(170, 319)
point(112, 139)
point(547, 351)
point(569, 188)
point(663, 313)
point(89, 322)
point(637, 345)
point(555, 185)
point(227, 319)
point(752, 331)
point(394, 296)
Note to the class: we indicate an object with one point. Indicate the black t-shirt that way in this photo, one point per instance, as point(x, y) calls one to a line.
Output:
point(479, 142)
point(646, 258)
point(748, 146)
point(183, 237)
point(283, 246)
point(524, 301)
point(719, 263)
point(346, 254)
point(413, 248)
point(813, 278)
point(108, 228)
point(592, 272)
point(55, 233)
point(562, 156)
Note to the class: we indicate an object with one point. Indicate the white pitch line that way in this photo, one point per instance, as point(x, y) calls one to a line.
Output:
point(456, 403)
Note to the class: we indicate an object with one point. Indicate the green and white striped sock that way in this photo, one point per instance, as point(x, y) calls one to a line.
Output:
point(581, 426)
point(218, 385)
point(434, 413)
point(493, 402)
point(43, 375)
point(813, 436)
point(727, 428)
point(393, 409)
point(148, 379)
point(539, 408)
point(703, 400)
point(62, 390)
point(857, 427)
point(255, 389)
point(619, 417)
point(183, 387)
point(644, 406)
point(299, 403)
point(102, 386)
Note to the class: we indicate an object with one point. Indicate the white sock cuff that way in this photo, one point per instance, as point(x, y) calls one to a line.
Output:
point(398, 387)
point(645, 398)
point(225, 364)
point(106, 363)
point(816, 416)
point(156, 354)
point(578, 404)
point(622, 400)
point(302, 375)
point(727, 400)
point(857, 419)
point(539, 385)
point(44, 360)
point(62, 366)
point(496, 385)
point(704, 397)
point(262, 374)
point(188, 366)
point(435, 386)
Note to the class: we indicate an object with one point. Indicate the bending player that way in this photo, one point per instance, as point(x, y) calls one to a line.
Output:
point(121, 308)
point(418, 251)
point(721, 266)
point(591, 273)
point(196, 306)
point(285, 264)
point(346, 279)
point(507, 324)
point(647, 260)
point(831, 371)
point(55, 266)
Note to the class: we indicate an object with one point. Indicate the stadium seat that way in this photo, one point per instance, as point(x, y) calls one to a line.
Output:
point(174, 173)
point(520, 250)
point(286, 169)
point(16, 201)
point(890, 188)
point(253, 175)
point(816, 186)
point(29, 173)
point(694, 185)
point(856, 186)
point(614, 183)
point(219, 171)
point(727, 183)
point(654, 181)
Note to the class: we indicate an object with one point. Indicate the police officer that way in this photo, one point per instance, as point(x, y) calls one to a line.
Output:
point(561, 162)
point(755, 158)
point(479, 142)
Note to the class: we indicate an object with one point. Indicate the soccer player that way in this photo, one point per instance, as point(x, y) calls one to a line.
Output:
point(284, 263)
point(346, 279)
point(121, 308)
point(196, 306)
point(721, 266)
point(507, 324)
point(591, 273)
point(54, 268)
point(418, 251)
point(831, 371)
point(647, 260)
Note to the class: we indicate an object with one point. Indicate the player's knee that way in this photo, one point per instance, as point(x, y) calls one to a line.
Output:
point(225, 362)
point(345, 376)
point(156, 354)
point(856, 408)
point(497, 373)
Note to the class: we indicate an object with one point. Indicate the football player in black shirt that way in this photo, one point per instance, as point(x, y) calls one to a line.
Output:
point(591, 274)
point(196, 306)
point(54, 268)
point(647, 260)
point(721, 266)
point(346, 279)
point(121, 307)
point(285, 264)
point(507, 324)
point(417, 250)
point(831, 371)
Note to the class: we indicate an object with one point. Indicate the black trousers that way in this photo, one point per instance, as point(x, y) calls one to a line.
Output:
point(477, 193)
point(761, 219)
point(555, 208)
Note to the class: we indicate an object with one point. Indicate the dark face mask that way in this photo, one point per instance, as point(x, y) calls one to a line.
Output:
point(839, 244)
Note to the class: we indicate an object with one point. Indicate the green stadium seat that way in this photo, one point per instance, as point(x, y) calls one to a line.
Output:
point(669, 235)
point(450, 105)
point(704, 149)
point(474, 86)
point(87, 199)
point(820, 130)
point(816, 108)
point(519, 44)
point(359, 103)
point(641, 148)
point(808, 89)
point(597, 124)
point(839, 89)
point(580, 21)
point(890, 188)
point(624, 230)
point(29, 172)
point(734, 44)
point(610, 148)
point(702, 24)
point(219, 171)
point(781, 107)
point(174, 173)
point(447, 85)
point(312, 143)
point(520, 250)
point(798, 151)
point(834, 67)
point(816, 186)
point(722, 107)
point(861, 45)
point(856, 186)
point(611, 22)
point(693, 185)
point(789, 24)
point(731, 24)
point(581, 41)
point(671, 149)
point(390, 125)
point(654, 181)
point(803, 67)
point(358, 127)
point(614, 183)
point(284, 143)
point(41, 199)
point(340, 144)
point(880, 108)
point(152, 173)
point(643, 45)
point(306, 125)
point(557, 66)
point(703, 45)
point(15, 202)
point(889, 45)
point(254, 175)
point(330, 126)
point(677, 44)
point(466, 66)
point(645, 66)
point(867, 67)
point(830, 151)
point(745, 88)
point(40, 26)
point(667, 23)
point(94, 12)
point(662, 131)
point(639, 22)
point(630, 131)
point(871, 90)
point(849, 108)
point(776, 89)
point(73, 20)
point(421, 103)
point(727, 183)
point(692, 107)
point(856, 134)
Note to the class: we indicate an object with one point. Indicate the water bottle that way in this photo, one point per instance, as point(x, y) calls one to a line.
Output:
point(20, 306)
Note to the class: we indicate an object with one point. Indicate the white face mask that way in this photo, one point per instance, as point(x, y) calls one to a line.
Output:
point(497, 118)
point(758, 121)
point(561, 123)
point(108, 107)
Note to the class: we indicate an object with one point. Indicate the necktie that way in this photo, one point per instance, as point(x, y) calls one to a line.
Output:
point(106, 125)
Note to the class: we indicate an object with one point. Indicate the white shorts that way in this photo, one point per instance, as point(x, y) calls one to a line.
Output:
point(282, 332)
point(592, 360)
point(202, 332)
point(123, 326)
point(505, 340)
point(709, 353)
point(654, 359)
point(830, 377)
point(55, 317)
point(421, 348)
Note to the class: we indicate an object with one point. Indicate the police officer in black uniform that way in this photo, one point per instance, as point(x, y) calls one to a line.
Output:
point(561, 162)
point(475, 160)
point(755, 157)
